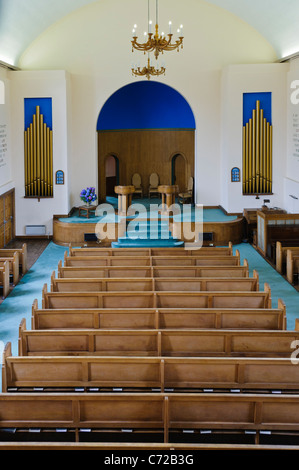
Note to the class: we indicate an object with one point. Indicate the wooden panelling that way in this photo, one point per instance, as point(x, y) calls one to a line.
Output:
point(7, 216)
point(145, 152)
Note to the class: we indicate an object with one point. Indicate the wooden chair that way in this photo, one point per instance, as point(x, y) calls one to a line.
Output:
point(153, 184)
point(136, 182)
point(188, 194)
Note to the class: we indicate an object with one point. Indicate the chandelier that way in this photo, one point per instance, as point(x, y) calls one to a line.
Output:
point(157, 43)
point(148, 70)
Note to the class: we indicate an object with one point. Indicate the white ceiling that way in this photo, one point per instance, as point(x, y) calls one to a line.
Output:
point(21, 21)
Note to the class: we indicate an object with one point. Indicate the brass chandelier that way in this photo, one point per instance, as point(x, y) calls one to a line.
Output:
point(157, 43)
point(148, 70)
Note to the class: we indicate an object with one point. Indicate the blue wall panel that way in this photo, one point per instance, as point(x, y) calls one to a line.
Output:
point(249, 103)
point(146, 105)
point(45, 105)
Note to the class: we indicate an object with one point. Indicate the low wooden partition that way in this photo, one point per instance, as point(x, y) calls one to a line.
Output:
point(153, 272)
point(225, 299)
point(136, 284)
point(164, 412)
point(237, 318)
point(292, 264)
point(54, 373)
point(4, 278)
point(22, 252)
point(159, 342)
point(151, 260)
point(281, 255)
point(203, 251)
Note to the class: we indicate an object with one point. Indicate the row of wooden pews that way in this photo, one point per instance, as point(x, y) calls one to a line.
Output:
point(13, 263)
point(152, 349)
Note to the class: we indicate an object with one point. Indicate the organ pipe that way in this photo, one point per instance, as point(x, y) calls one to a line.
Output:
point(38, 150)
point(257, 154)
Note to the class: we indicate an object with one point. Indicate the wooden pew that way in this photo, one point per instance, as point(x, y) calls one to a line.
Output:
point(203, 251)
point(8, 252)
point(162, 413)
point(4, 278)
point(226, 299)
point(93, 373)
point(292, 264)
point(159, 342)
point(172, 284)
point(151, 260)
point(13, 262)
point(161, 271)
point(281, 255)
point(155, 318)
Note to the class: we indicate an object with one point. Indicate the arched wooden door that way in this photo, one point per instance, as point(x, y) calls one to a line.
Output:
point(111, 174)
point(179, 171)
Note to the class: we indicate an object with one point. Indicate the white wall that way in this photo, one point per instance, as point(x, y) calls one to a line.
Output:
point(291, 181)
point(6, 182)
point(99, 61)
point(236, 80)
point(52, 84)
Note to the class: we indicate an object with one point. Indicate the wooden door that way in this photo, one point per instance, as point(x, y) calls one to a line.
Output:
point(179, 172)
point(6, 218)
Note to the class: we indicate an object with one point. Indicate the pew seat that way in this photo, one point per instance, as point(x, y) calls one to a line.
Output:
point(138, 284)
point(155, 318)
point(150, 299)
point(93, 373)
point(159, 342)
point(151, 271)
point(166, 414)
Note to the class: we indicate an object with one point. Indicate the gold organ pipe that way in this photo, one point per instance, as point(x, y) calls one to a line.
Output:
point(48, 161)
point(31, 161)
point(38, 149)
point(247, 157)
point(253, 151)
point(250, 156)
point(34, 154)
point(244, 160)
point(257, 146)
point(26, 162)
point(257, 153)
point(38, 157)
point(42, 189)
point(262, 176)
point(45, 161)
point(51, 161)
point(270, 162)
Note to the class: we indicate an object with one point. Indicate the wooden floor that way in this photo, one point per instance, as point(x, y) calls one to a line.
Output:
point(35, 247)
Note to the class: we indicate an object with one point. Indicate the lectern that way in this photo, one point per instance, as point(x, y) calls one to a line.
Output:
point(168, 193)
point(124, 197)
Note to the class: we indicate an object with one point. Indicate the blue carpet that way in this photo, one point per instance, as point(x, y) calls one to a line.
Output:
point(208, 215)
point(19, 302)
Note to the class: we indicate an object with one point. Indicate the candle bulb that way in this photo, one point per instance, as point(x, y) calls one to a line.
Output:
point(169, 27)
point(150, 26)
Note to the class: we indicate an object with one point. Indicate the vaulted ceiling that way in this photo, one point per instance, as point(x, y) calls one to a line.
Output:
point(22, 21)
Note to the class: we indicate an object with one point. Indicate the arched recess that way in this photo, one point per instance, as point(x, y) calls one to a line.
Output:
point(144, 123)
point(111, 173)
point(179, 171)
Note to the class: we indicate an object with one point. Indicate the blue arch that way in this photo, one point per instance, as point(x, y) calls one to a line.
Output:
point(146, 105)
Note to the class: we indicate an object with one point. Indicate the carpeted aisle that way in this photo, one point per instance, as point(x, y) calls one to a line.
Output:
point(280, 288)
point(19, 302)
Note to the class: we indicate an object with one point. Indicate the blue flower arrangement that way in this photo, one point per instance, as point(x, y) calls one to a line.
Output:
point(88, 195)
